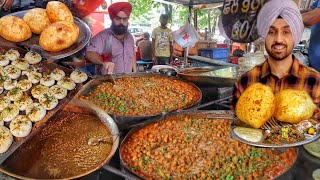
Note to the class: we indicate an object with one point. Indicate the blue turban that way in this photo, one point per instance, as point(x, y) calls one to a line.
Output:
point(288, 10)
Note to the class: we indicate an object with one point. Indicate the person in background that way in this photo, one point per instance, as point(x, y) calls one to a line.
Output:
point(311, 19)
point(139, 39)
point(11, 6)
point(280, 23)
point(138, 55)
point(145, 48)
point(162, 43)
point(113, 48)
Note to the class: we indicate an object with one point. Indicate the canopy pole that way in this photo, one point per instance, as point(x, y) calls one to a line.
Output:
point(186, 50)
point(195, 19)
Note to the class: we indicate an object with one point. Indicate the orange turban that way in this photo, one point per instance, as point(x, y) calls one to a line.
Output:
point(115, 8)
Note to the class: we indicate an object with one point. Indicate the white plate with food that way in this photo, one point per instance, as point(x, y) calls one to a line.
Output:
point(284, 119)
point(287, 135)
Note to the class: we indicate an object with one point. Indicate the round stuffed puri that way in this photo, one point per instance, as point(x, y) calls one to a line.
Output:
point(37, 19)
point(293, 106)
point(14, 29)
point(58, 36)
point(256, 105)
point(57, 11)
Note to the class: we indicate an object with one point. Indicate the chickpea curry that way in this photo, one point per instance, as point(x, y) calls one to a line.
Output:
point(190, 146)
point(143, 96)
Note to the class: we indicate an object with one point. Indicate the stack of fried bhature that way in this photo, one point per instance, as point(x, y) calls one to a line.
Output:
point(257, 104)
point(55, 25)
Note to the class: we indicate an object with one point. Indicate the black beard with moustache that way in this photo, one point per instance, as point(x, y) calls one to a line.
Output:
point(276, 56)
point(119, 30)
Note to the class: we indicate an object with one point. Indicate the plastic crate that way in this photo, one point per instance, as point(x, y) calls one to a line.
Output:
point(222, 45)
point(215, 53)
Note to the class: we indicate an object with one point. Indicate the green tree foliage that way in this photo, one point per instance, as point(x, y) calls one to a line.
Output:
point(142, 13)
point(142, 9)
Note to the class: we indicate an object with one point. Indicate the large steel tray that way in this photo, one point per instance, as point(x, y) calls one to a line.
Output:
point(45, 66)
point(202, 76)
point(125, 122)
point(33, 42)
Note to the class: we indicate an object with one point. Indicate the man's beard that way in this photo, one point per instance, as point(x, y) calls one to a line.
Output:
point(119, 30)
point(276, 56)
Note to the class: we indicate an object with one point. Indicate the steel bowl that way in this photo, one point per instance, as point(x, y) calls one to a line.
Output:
point(168, 71)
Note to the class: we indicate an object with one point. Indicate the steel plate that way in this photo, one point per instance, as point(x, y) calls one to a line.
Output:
point(265, 145)
point(33, 42)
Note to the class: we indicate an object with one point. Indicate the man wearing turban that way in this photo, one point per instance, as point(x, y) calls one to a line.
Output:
point(113, 48)
point(311, 18)
point(279, 22)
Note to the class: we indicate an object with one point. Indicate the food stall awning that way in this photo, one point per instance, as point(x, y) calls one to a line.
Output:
point(195, 2)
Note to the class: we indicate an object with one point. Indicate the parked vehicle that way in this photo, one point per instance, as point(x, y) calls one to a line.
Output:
point(136, 31)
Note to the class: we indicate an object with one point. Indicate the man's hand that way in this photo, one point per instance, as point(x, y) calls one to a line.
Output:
point(154, 60)
point(107, 68)
point(7, 5)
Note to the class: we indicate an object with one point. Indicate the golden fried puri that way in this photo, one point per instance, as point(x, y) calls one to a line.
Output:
point(58, 36)
point(293, 106)
point(37, 19)
point(57, 11)
point(14, 29)
point(256, 105)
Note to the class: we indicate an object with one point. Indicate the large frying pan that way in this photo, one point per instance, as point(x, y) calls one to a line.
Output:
point(198, 76)
point(25, 160)
point(214, 115)
point(124, 122)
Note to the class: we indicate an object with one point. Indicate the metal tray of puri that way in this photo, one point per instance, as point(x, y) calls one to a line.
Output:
point(211, 115)
point(266, 130)
point(217, 76)
point(125, 122)
point(33, 42)
point(36, 159)
point(45, 66)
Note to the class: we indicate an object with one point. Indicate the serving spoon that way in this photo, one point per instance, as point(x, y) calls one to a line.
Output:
point(96, 141)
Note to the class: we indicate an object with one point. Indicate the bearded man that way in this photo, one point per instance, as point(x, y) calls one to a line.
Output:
point(280, 23)
point(113, 48)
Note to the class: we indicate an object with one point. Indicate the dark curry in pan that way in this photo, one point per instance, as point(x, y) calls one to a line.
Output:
point(61, 149)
